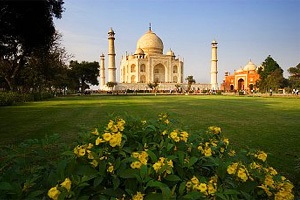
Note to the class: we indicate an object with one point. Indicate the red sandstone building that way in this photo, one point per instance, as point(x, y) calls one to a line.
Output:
point(242, 79)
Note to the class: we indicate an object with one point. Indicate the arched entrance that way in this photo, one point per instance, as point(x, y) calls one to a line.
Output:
point(143, 79)
point(159, 73)
point(241, 85)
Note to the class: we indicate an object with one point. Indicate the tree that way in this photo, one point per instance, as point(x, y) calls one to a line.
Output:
point(271, 76)
point(190, 80)
point(153, 86)
point(26, 28)
point(84, 73)
point(111, 84)
point(294, 76)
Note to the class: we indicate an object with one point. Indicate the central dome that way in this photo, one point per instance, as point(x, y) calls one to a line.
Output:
point(150, 43)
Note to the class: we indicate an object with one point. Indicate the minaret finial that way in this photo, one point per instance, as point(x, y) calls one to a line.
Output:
point(150, 26)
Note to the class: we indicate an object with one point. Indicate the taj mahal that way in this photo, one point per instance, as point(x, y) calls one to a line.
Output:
point(149, 64)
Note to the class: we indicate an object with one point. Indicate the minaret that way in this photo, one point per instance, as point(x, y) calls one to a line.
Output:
point(102, 72)
point(111, 56)
point(214, 66)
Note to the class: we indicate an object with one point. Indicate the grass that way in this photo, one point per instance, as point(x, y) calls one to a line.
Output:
point(269, 124)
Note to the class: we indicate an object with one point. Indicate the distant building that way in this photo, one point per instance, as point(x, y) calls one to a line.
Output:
point(149, 64)
point(242, 79)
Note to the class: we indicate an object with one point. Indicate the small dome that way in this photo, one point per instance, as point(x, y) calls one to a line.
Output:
point(139, 51)
point(250, 66)
point(150, 43)
point(239, 70)
point(170, 53)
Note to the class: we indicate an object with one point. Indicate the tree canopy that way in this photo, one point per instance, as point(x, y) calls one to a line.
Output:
point(271, 76)
point(84, 73)
point(294, 76)
point(27, 30)
point(190, 80)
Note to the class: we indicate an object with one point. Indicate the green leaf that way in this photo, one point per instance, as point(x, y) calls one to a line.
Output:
point(182, 187)
point(6, 186)
point(152, 155)
point(98, 180)
point(143, 172)
point(192, 161)
point(129, 173)
point(230, 191)
point(172, 177)
point(154, 196)
point(163, 187)
point(116, 182)
point(193, 195)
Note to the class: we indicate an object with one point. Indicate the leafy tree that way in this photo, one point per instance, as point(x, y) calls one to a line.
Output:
point(153, 86)
point(271, 76)
point(294, 76)
point(190, 80)
point(111, 85)
point(84, 73)
point(27, 29)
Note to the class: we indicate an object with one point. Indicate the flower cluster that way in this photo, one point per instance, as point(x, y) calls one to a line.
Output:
point(214, 129)
point(54, 192)
point(141, 159)
point(207, 188)
point(239, 170)
point(162, 161)
point(178, 136)
point(163, 117)
point(163, 165)
point(212, 144)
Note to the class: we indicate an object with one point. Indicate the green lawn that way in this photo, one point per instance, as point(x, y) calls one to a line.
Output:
point(269, 124)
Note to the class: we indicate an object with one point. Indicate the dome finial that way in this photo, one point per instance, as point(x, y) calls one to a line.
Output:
point(150, 26)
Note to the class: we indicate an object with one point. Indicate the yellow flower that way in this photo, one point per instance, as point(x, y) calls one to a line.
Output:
point(67, 184)
point(164, 132)
point(207, 152)
point(106, 136)
point(156, 166)
point(94, 163)
point(135, 154)
point(202, 187)
point(90, 154)
point(95, 132)
point(53, 193)
point(195, 180)
point(184, 136)
point(189, 184)
point(136, 165)
point(226, 141)
point(231, 153)
point(211, 189)
point(231, 169)
point(266, 189)
point(120, 124)
point(215, 129)
point(138, 196)
point(115, 140)
point(110, 169)
point(269, 181)
point(167, 121)
point(242, 174)
point(173, 134)
point(81, 151)
point(99, 141)
point(170, 163)
point(262, 156)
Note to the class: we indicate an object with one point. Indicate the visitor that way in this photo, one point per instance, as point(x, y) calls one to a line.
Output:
point(271, 91)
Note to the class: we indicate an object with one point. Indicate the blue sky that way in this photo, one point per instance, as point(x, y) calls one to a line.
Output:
point(244, 29)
